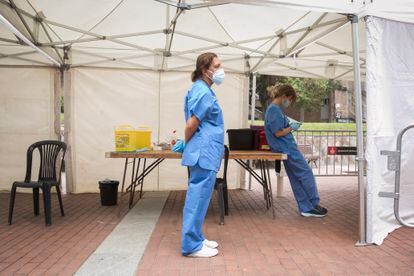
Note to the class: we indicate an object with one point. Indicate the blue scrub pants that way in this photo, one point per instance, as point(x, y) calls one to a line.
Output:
point(302, 181)
point(200, 187)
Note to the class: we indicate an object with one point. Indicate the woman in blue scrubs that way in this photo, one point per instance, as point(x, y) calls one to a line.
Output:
point(280, 139)
point(203, 151)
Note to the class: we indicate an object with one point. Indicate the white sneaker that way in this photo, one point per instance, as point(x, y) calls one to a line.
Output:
point(211, 244)
point(204, 252)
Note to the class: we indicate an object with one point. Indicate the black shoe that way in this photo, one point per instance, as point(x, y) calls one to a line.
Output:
point(322, 209)
point(313, 213)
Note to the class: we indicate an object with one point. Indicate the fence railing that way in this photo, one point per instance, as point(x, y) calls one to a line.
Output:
point(322, 163)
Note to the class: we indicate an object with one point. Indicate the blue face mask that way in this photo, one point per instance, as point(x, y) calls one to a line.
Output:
point(286, 103)
point(218, 76)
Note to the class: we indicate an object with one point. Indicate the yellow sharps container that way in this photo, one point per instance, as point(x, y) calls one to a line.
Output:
point(143, 137)
point(125, 138)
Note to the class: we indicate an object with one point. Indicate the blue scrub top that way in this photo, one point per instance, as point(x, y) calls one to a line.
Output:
point(207, 144)
point(275, 120)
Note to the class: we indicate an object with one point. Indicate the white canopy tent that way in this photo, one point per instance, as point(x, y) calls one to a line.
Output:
point(108, 58)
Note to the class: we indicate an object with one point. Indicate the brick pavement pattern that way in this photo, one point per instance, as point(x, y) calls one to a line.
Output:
point(28, 247)
point(252, 243)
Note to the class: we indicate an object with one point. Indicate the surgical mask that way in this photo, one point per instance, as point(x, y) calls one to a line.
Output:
point(286, 103)
point(218, 76)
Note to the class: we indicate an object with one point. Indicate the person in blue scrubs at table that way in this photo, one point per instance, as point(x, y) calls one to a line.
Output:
point(280, 139)
point(202, 152)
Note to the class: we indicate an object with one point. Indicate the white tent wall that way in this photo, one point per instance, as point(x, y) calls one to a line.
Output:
point(27, 111)
point(390, 97)
point(103, 99)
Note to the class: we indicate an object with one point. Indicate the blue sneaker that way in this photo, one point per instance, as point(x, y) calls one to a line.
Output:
point(322, 209)
point(314, 213)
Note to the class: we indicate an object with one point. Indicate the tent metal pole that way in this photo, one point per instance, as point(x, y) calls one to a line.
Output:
point(300, 70)
point(326, 23)
point(9, 41)
point(253, 99)
point(16, 55)
point(69, 168)
point(223, 43)
point(27, 66)
point(360, 142)
point(252, 114)
point(51, 40)
point(28, 60)
point(268, 52)
point(339, 51)
point(9, 26)
point(13, 6)
point(317, 38)
point(346, 72)
point(305, 34)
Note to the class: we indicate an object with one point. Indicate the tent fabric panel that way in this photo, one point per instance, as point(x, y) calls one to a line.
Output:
point(390, 63)
point(103, 99)
point(27, 112)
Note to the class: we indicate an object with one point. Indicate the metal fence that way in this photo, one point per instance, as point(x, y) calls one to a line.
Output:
point(323, 164)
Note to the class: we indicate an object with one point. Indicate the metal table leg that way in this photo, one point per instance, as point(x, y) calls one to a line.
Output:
point(122, 187)
point(138, 178)
point(131, 190)
point(270, 189)
point(263, 179)
point(135, 177)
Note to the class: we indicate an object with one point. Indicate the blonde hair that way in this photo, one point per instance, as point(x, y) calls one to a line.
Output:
point(279, 90)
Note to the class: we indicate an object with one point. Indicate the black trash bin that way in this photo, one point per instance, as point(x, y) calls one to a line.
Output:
point(109, 192)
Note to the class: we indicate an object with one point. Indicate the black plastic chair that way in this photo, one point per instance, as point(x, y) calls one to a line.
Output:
point(221, 187)
point(49, 151)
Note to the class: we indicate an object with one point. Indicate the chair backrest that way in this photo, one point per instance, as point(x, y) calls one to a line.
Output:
point(226, 161)
point(49, 151)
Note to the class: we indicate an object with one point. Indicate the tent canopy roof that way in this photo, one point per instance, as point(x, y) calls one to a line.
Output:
point(264, 36)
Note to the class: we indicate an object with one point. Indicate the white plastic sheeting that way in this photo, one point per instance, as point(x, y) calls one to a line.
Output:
point(390, 97)
point(103, 99)
point(27, 115)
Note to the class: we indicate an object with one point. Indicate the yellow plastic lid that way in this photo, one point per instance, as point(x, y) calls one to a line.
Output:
point(124, 127)
point(143, 128)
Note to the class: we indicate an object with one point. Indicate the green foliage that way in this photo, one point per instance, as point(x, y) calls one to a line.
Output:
point(311, 92)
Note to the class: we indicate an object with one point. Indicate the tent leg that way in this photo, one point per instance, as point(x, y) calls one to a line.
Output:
point(66, 84)
point(252, 114)
point(360, 142)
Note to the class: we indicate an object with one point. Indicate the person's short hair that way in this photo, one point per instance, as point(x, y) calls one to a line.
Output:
point(279, 90)
point(203, 62)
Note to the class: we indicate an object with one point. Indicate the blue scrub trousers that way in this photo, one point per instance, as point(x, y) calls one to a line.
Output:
point(302, 181)
point(200, 188)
